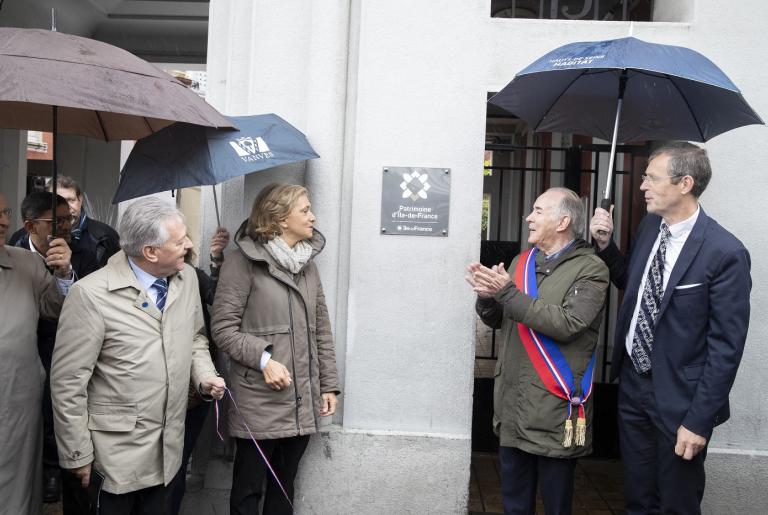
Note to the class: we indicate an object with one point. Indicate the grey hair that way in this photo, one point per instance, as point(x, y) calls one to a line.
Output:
point(686, 159)
point(143, 224)
point(571, 206)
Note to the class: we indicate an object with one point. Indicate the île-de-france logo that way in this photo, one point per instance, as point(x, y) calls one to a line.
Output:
point(251, 149)
point(415, 185)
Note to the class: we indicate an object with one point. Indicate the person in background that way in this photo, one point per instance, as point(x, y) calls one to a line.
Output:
point(38, 225)
point(270, 317)
point(89, 233)
point(197, 409)
point(28, 292)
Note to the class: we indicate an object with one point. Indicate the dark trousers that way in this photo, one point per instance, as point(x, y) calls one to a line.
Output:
point(250, 471)
point(147, 501)
point(520, 474)
point(193, 425)
point(656, 480)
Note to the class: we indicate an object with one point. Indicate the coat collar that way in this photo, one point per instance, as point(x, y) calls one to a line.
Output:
point(257, 252)
point(5, 258)
point(687, 254)
point(120, 275)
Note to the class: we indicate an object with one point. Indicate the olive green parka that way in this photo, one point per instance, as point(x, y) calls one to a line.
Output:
point(571, 296)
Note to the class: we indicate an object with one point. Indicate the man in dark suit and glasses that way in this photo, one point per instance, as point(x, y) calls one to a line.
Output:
point(680, 332)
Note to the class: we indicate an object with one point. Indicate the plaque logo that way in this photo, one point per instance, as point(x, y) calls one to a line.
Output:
point(415, 185)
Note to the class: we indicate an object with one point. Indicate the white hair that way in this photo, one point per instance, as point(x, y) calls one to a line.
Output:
point(144, 224)
point(570, 205)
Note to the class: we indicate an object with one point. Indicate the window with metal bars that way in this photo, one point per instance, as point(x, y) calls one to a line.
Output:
point(594, 10)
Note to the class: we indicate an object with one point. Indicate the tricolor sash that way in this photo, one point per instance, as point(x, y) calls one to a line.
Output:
point(548, 360)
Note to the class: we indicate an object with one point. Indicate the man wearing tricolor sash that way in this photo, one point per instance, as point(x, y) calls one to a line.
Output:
point(548, 305)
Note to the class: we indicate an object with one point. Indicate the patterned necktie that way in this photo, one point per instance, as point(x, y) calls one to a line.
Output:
point(642, 341)
point(161, 286)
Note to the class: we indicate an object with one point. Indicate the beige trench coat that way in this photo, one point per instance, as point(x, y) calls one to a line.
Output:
point(260, 306)
point(27, 291)
point(120, 374)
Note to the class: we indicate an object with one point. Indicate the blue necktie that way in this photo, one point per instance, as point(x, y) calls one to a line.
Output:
point(161, 286)
point(642, 341)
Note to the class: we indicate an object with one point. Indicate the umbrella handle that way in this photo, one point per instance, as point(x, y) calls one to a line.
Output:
point(605, 204)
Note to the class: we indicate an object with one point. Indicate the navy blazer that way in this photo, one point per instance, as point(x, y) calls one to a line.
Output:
point(701, 326)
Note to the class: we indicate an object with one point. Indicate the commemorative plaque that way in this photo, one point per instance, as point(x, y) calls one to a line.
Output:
point(415, 201)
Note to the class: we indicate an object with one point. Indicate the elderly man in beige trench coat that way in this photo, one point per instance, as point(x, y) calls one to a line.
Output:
point(129, 337)
point(27, 292)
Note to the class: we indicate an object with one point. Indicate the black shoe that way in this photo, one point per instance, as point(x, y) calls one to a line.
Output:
point(51, 486)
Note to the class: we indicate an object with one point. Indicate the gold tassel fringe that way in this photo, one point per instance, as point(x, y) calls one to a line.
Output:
point(568, 437)
point(581, 431)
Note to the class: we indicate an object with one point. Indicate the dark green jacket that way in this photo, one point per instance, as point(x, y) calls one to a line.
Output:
point(572, 289)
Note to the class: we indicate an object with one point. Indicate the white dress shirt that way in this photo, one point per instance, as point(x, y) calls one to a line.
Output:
point(146, 281)
point(678, 235)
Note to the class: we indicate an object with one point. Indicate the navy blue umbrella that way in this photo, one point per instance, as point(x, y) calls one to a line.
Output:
point(184, 155)
point(626, 90)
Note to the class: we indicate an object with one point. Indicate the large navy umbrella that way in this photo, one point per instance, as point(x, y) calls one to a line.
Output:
point(626, 90)
point(185, 155)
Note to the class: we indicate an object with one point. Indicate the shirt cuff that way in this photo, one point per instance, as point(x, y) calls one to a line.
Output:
point(265, 357)
point(65, 284)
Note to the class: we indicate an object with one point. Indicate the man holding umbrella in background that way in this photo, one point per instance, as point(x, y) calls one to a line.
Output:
point(88, 233)
point(680, 332)
point(91, 234)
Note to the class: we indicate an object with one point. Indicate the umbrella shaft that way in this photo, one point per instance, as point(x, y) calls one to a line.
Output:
point(622, 87)
point(613, 151)
point(55, 178)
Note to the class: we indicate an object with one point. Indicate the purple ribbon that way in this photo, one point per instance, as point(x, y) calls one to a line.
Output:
point(253, 439)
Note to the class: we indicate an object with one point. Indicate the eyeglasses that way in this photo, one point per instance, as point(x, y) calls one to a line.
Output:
point(60, 220)
point(7, 211)
point(655, 179)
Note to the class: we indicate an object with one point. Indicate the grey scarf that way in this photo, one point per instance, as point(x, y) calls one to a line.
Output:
point(292, 259)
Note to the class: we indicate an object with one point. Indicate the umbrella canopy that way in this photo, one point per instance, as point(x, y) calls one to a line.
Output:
point(671, 92)
point(98, 90)
point(626, 90)
point(186, 155)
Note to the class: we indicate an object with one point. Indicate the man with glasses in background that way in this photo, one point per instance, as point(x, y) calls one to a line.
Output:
point(37, 215)
point(91, 234)
point(27, 292)
point(680, 331)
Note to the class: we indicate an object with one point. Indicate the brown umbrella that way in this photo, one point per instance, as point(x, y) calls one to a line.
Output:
point(61, 83)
